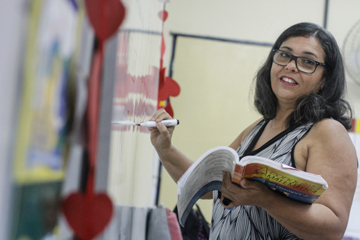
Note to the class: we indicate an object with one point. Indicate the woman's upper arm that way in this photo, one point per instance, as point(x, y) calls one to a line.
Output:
point(332, 155)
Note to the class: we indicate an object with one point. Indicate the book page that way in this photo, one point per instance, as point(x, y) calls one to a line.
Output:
point(203, 176)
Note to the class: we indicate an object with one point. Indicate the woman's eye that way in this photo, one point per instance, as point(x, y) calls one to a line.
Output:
point(285, 55)
point(309, 62)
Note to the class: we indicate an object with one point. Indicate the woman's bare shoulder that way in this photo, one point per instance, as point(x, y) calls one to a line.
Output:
point(236, 143)
point(328, 128)
point(330, 141)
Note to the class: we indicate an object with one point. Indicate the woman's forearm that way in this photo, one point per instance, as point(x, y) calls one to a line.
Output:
point(174, 161)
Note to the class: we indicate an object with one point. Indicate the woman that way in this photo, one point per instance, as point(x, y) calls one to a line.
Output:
point(299, 92)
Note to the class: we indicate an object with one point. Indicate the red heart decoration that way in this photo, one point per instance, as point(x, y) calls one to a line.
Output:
point(87, 215)
point(105, 16)
point(167, 87)
point(163, 15)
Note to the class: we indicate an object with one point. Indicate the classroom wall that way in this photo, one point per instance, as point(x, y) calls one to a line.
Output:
point(215, 77)
point(260, 21)
point(214, 105)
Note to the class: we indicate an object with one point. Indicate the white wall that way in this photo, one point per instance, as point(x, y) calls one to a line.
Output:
point(343, 14)
point(261, 21)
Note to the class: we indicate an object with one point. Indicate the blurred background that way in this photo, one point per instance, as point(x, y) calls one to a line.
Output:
point(198, 60)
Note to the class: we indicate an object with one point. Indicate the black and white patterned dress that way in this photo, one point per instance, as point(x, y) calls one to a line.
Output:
point(251, 222)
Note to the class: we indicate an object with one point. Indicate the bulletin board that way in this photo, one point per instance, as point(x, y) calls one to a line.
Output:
point(42, 129)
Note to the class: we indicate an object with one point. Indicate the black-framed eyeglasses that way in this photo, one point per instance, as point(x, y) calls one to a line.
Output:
point(303, 64)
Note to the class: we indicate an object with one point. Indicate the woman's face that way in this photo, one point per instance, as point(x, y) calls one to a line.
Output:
point(287, 82)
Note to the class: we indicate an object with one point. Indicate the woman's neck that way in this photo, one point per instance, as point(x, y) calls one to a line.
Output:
point(280, 120)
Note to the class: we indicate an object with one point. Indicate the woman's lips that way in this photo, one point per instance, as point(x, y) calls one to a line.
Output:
point(288, 81)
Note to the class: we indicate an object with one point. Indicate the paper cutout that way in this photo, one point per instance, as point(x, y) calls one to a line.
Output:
point(87, 215)
point(84, 210)
point(105, 16)
point(167, 86)
point(92, 115)
point(163, 15)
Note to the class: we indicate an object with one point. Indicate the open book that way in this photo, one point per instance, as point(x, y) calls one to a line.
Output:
point(205, 175)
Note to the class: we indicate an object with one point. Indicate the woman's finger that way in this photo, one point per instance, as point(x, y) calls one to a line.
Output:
point(227, 183)
point(160, 115)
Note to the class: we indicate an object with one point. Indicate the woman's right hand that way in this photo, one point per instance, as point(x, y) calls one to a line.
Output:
point(174, 161)
point(161, 135)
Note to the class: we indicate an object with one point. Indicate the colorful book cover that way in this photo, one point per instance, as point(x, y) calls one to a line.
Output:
point(284, 183)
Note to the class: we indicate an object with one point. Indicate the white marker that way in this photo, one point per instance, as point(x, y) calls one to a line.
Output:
point(167, 123)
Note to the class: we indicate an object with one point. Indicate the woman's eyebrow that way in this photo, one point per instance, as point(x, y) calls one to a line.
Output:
point(310, 53)
point(288, 48)
point(305, 52)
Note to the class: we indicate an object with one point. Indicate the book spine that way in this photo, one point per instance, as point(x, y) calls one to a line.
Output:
point(238, 174)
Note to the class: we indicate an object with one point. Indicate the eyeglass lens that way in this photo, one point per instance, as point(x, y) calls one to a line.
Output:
point(302, 64)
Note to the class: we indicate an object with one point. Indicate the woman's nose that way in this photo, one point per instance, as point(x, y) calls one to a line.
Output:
point(291, 66)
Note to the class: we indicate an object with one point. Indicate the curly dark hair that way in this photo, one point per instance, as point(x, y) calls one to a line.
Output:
point(329, 102)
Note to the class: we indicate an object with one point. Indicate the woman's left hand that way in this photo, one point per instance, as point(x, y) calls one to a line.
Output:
point(248, 193)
